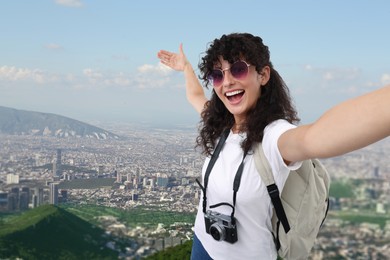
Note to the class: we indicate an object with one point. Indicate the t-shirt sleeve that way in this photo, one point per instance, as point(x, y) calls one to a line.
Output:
point(270, 146)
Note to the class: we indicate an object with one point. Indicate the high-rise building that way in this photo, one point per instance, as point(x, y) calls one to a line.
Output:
point(54, 169)
point(37, 199)
point(64, 195)
point(57, 164)
point(27, 190)
point(3, 201)
point(162, 180)
point(24, 198)
point(13, 199)
point(15, 191)
point(34, 201)
point(23, 201)
point(118, 177)
point(54, 193)
point(59, 156)
point(12, 202)
point(134, 195)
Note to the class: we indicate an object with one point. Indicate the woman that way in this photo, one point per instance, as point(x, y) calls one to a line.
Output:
point(251, 99)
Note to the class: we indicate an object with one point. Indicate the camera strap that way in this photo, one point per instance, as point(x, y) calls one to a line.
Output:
point(237, 178)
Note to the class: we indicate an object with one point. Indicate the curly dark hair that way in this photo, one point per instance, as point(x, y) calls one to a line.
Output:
point(273, 103)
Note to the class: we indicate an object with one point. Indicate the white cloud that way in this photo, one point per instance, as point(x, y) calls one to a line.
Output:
point(120, 80)
point(160, 69)
point(334, 74)
point(70, 3)
point(146, 77)
point(158, 76)
point(328, 76)
point(107, 79)
point(341, 74)
point(92, 74)
point(17, 74)
point(385, 79)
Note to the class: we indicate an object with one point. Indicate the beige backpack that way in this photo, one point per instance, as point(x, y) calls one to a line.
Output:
point(301, 208)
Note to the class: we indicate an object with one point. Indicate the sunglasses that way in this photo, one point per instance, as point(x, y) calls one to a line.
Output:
point(239, 70)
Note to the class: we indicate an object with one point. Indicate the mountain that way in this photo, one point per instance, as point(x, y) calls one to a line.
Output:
point(22, 122)
point(50, 232)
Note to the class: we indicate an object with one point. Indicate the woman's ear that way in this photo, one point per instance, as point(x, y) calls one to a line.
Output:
point(264, 75)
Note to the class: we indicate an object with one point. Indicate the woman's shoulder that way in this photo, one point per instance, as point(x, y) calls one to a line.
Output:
point(273, 131)
point(279, 124)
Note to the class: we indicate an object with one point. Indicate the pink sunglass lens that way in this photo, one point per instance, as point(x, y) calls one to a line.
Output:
point(239, 70)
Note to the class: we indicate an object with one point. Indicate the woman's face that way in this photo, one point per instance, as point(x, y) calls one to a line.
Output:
point(240, 95)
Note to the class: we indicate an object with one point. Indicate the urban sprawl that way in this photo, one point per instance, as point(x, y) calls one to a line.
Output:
point(157, 168)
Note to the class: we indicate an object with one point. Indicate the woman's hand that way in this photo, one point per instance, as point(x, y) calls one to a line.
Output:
point(177, 61)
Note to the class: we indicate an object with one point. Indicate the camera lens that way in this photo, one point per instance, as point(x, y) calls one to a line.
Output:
point(217, 232)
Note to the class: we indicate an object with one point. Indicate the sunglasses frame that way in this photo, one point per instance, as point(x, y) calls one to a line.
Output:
point(229, 68)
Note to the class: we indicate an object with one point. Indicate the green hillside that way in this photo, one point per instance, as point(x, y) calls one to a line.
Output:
point(49, 232)
point(180, 252)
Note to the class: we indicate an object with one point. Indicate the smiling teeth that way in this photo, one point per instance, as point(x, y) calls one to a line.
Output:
point(229, 94)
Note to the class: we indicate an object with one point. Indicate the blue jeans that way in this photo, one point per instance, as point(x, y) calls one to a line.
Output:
point(198, 252)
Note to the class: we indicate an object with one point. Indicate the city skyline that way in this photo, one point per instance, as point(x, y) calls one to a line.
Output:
point(96, 61)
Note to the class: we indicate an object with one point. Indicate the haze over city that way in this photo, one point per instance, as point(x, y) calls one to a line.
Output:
point(96, 60)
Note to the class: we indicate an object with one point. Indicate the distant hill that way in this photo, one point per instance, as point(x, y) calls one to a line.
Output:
point(49, 232)
point(22, 122)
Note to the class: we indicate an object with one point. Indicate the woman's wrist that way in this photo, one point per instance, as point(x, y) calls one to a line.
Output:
point(187, 67)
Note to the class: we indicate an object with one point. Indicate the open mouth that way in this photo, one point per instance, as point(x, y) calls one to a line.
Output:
point(234, 95)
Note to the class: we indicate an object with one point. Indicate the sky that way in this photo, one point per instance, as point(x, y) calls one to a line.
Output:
point(96, 61)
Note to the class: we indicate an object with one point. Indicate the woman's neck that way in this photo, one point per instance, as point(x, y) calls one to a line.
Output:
point(237, 128)
point(239, 124)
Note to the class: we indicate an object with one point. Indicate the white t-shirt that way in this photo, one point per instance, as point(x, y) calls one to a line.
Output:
point(253, 208)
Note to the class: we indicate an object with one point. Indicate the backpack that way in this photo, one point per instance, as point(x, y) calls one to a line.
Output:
point(301, 208)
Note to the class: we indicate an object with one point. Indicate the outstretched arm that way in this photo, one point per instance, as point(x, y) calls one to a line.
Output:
point(346, 127)
point(194, 90)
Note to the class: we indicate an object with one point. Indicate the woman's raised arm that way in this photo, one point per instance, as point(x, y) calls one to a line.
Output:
point(194, 90)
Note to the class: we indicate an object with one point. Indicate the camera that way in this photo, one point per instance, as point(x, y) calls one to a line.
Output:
point(220, 226)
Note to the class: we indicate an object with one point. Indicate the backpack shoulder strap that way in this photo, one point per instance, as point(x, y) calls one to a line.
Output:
point(264, 169)
point(263, 166)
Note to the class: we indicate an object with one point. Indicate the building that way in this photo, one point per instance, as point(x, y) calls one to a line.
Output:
point(3, 201)
point(57, 164)
point(53, 193)
point(12, 178)
point(134, 196)
point(64, 195)
point(59, 156)
point(37, 197)
point(13, 199)
point(24, 198)
point(118, 177)
point(162, 180)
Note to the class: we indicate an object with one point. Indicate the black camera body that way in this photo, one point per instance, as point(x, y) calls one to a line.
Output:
point(220, 226)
